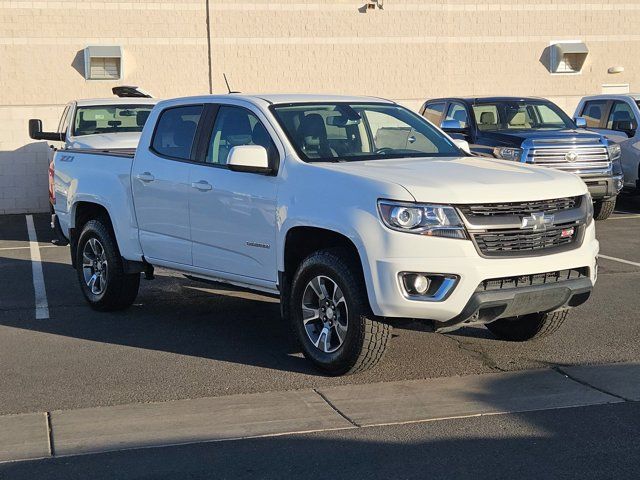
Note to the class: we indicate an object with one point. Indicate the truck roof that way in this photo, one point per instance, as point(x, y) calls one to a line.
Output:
point(474, 100)
point(94, 102)
point(613, 96)
point(284, 98)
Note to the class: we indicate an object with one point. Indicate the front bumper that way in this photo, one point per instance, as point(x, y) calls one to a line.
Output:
point(485, 307)
point(460, 258)
point(604, 187)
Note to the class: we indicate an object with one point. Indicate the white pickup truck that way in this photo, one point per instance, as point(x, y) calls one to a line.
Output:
point(352, 210)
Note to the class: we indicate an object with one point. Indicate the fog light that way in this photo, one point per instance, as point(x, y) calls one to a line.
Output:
point(421, 284)
point(429, 287)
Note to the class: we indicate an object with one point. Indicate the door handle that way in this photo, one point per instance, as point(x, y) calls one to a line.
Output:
point(202, 185)
point(145, 177)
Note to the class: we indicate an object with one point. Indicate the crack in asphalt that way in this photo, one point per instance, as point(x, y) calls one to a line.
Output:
point(478, 353)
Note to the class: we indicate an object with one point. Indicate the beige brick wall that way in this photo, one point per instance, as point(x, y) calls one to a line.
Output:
point(409, 51)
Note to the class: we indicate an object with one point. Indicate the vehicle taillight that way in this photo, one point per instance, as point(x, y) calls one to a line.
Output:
point(52, 195)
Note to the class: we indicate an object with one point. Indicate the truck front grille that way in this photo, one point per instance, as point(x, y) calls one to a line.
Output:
point(513, 242)
point(533, 280)
point(583, 159)
point(520, 208)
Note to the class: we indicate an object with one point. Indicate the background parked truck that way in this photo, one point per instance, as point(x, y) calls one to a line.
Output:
point(535, 131)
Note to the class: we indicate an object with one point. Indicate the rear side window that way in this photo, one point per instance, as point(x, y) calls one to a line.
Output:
point(593, 111)
point(433, 112)
point(176, 131)
point(621, 117)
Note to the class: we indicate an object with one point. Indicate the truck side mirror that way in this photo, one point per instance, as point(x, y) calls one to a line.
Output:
point(453, 126)
point(462, 145)
point(35, 132)
point(35, 128)
point(581, 122)
point(249, 159)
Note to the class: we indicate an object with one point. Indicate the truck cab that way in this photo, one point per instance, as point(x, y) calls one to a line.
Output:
point(616, 117)
point(534, 131)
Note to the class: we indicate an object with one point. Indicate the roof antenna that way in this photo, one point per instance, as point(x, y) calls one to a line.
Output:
point(227, 82)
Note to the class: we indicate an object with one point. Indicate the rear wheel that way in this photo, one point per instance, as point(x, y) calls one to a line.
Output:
point(602, 209)
point(100, 268)
point(330, 315)
point(528, 327)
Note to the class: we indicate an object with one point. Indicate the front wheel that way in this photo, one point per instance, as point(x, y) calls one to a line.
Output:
point(528, 327)
point(602, 209)
point(330, 315)
point(101, 272)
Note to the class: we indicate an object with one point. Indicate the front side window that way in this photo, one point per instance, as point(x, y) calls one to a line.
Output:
point(433, 112)
point(458, 113)
point(176, 131)
point(64, 120)
point(350, 132)
point(236, 126)
point(593, 111)
point(621, 117)
point(521, 115)
point(110, 119)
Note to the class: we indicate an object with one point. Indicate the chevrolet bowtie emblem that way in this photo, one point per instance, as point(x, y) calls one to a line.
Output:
point(537, 221)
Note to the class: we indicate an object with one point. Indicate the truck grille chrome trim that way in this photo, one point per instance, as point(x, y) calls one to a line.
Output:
point(532, 280)
point(509, 242)
point(521, 208)
point(583, 159)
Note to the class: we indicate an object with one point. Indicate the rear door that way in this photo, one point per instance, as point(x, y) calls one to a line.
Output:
point(621, 126)
point(233, 214)
point(161, 187)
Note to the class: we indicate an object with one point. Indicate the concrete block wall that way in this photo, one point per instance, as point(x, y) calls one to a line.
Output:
point(410, 51)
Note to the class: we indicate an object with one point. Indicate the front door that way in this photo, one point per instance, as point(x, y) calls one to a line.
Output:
point(161, 187)
point(233, 214)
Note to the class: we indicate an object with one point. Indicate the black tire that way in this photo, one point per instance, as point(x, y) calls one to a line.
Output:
point(602, 209)
point(364, 343)
point(528, 327)
point(121, 288)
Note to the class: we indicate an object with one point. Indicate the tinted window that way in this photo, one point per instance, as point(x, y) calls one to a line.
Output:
point(110, 119)
point(233, 127)
point(64, 120)
point(593, 111)
point(433, 112)
point(351, 132)
point(176, 130)
point(622, 117)
point(458, 113)
point(521, 115)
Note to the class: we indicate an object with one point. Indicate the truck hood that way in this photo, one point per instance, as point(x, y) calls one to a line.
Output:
point(516, 137)
point(467, 179)
point(107, 141)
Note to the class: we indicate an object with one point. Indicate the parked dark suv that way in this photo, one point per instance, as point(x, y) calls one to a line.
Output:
point(533, 130)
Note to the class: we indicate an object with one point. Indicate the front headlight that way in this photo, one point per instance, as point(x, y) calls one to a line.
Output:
point(508, 153)
point(589, 200)
point(614, 152)
point(422, 219)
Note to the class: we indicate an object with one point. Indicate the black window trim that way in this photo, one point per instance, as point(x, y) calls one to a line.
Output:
point(191, 158)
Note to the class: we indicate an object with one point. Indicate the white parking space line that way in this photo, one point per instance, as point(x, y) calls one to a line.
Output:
point(624, 217)
point(42, 306)
point(619, 260)
point(4, 249)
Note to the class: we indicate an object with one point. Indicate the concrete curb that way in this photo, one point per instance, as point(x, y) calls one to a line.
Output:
point(123, 427)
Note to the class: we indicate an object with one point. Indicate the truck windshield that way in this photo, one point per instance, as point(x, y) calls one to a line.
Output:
point(520, 115)
point(333, 132)
point(110, 119)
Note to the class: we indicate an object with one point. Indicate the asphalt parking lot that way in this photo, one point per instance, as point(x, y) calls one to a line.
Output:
point(184, 339)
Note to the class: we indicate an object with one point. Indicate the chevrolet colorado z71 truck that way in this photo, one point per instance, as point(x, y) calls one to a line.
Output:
point(536, 131)
point(351, 210)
